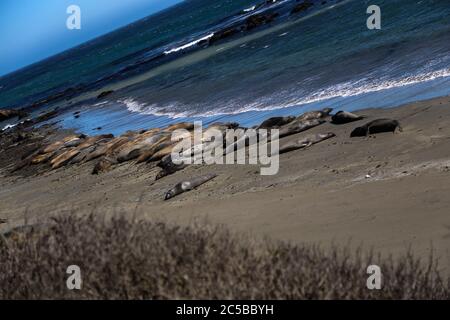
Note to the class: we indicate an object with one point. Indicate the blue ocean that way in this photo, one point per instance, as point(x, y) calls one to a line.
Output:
point(243, 61)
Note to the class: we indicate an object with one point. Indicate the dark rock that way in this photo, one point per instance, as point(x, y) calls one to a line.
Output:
point(105, 94)
point(258, 20)
point(301, 7)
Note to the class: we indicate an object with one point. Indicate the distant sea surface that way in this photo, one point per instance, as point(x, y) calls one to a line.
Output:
point(242, 60)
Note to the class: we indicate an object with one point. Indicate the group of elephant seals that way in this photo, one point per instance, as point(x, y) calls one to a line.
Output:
point(306, 142)
point(376, 126)
point(188, 185)
point(343, 117)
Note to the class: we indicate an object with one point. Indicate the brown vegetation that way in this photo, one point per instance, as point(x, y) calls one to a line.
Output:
point(123, 259)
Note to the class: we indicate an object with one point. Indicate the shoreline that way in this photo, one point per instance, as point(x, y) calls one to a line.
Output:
point(321, 194)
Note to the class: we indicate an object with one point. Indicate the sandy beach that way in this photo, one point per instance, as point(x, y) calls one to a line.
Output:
point(388, 191)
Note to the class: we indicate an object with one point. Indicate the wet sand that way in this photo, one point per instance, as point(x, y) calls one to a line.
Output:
point(387, 191)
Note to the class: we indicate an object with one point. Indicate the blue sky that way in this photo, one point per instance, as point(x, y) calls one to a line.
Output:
point(32, 30)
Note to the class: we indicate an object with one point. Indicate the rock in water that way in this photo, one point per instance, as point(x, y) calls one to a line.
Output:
point(188, 185)
point(343, 117)
point(302, 7)
point(105, 94)
point(376, 126)
point(6, 114)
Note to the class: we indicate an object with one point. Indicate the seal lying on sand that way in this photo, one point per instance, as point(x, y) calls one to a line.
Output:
point(306, 142)
point(104, 165)
point(168, 167)
point(376, 126)
point(343, 117)
point(299, 126)
point(188, 185)
point(276, 122)
point(312, 115)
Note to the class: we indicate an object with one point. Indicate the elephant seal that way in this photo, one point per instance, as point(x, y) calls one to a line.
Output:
point(42, 158)
point(313, 115)
point(104, 165)
point(188, 185)
point(276, 122)
point(376, 126)
point(299, 126)
point(63, 158)
point(107, 148)
point(224, 125)
point(306, 142)
point(182, 125)
point(343, 117)
point(168, 167)
point(53, 147)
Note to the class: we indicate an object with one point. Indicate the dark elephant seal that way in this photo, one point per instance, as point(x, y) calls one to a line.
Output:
point(168, 167)
point(343, 117)
point(376, 126)
point(306, 142)
point(188, 185)
point(276, 122)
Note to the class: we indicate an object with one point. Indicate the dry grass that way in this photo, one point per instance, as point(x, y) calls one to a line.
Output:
point(122, 259)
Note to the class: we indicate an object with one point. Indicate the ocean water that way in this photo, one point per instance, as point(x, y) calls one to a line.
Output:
point(172, 67)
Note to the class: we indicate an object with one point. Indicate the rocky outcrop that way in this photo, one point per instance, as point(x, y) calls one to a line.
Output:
point(105, 94)
point(6, 114)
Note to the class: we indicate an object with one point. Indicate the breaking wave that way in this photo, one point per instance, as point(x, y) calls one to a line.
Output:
point(283, 99)
point(190, 44)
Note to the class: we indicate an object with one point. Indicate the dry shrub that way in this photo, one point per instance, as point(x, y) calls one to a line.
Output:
point(123, 259)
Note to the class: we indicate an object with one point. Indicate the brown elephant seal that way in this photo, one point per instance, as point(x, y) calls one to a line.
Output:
point(104, 165)
point(306, 142)
point(376, 126)
point(276, 122)
point(312, 115)
point(182, 125)
point(64, 158)
point(343, 117)
point(188, 185)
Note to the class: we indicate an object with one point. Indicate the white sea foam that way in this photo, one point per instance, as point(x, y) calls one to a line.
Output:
point(190, 44)
point(285, 99)
point(9, 126)
point(250, 9)
point(135, 106)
